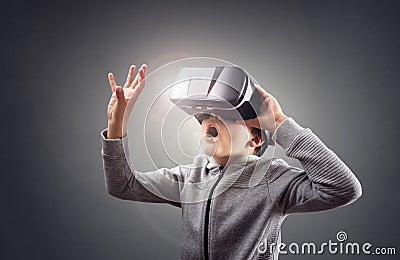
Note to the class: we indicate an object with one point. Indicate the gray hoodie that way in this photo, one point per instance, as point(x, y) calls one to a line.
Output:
point(236, 212)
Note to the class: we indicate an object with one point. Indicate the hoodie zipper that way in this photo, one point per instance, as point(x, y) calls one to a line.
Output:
point(207, 216)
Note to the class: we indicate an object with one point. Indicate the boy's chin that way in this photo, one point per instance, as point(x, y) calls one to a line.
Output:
point(207, 147)
point(209, 150)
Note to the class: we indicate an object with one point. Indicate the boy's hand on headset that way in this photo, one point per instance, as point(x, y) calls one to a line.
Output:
point(122, 100)
point(271, 115)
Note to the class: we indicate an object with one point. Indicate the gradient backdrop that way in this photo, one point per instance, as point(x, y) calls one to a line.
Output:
point(332, 65)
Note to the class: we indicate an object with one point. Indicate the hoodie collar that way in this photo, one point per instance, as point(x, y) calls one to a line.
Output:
point(243, 171)
point(234, 164)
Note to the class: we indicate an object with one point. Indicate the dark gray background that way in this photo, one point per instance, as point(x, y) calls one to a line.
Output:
point(332, 65)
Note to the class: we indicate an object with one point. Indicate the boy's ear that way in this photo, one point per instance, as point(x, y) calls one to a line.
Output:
point(256, 141)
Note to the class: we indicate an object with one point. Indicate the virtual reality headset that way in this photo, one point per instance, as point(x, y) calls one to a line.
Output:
point(227, 92)
point(224, 91)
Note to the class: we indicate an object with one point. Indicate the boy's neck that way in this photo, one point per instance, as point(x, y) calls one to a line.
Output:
point(222, 160)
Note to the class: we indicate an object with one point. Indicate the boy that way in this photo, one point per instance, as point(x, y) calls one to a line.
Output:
point(224, 215)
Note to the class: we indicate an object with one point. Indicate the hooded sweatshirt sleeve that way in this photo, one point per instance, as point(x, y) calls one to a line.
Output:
point(123, 182)
point(325, 182)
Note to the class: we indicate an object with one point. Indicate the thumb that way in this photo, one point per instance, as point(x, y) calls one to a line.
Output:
point(119, 109)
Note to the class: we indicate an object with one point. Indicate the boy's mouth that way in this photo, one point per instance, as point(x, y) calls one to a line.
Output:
point(212, 131)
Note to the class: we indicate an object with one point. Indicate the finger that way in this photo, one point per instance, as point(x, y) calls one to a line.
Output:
point(111, 80)
point(120, 93)
point(140, 76)
point(120, 105)
point(139, 87)
point(262, 92)
point(142, 73)
point(129, 78)
point(135, 81)
point(144, 66)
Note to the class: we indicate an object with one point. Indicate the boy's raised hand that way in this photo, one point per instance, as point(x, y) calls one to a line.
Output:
point(120, 97)
point(271, 115)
